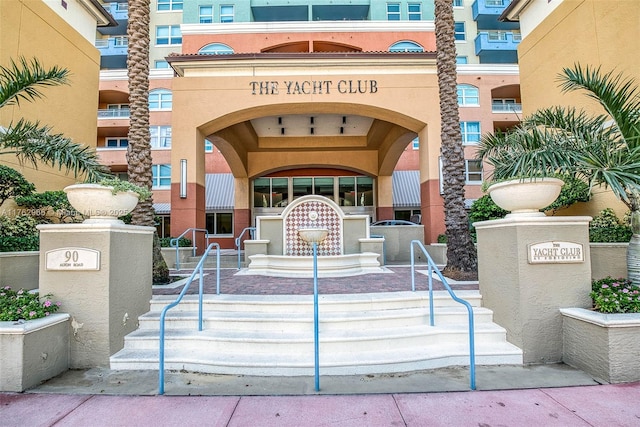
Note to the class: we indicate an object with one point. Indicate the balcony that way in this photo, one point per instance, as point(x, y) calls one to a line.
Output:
point(497, 47)
point(120, 13)
point(121, 113)
point(486, 13)
point(113, 52)
point(506, 108)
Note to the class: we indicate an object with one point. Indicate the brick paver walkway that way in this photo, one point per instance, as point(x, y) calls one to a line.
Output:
point(398, 279)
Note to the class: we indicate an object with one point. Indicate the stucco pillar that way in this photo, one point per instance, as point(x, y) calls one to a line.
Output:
point(242, 206)
point(431, 203)
point(188, 195)
point(384, 209)
point(102, 275)
point(529, 268)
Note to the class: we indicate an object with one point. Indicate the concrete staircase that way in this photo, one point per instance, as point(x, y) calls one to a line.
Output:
point(273, 336)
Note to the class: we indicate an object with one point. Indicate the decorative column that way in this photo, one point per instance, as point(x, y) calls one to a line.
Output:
point(102, 274)
point(528, 268)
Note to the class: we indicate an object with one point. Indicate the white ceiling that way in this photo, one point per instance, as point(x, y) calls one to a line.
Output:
point(297, 125)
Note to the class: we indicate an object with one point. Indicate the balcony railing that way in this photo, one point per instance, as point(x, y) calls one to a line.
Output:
point(113, 45)
point(119, 11)
point(122, 113)
point(506, 108)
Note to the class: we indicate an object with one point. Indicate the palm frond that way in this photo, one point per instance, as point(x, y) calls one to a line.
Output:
point(25, 79)
point(31, 142)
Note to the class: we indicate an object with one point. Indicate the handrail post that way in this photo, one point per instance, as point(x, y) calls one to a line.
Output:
point(433, 268)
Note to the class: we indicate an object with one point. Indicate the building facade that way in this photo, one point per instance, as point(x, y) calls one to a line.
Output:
point(256, 103)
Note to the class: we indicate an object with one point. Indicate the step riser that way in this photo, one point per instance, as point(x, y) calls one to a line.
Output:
point(305, 306)
point(306, 325)
point(289, 346)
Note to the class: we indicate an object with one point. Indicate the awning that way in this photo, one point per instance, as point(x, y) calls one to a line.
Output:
point(162, 208)
point(220, 191)
point(406, 189)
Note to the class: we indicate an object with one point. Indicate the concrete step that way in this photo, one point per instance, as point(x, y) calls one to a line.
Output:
point(326, 302)
point(358, 333)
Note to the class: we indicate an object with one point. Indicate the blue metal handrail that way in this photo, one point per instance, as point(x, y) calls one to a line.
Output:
point(251, 230)
point(199, 270)
point(432, 267)
point(175, 242)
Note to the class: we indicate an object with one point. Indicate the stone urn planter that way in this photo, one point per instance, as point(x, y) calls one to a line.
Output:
point(33, 351)
point(526, 196)
point(99, 203)
point(604, 345)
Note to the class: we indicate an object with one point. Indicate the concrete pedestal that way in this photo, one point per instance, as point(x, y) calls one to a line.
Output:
point(102, 275)
point(525, 291)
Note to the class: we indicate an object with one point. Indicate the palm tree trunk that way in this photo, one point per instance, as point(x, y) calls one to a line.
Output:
point(461, 252)
point(139, 148)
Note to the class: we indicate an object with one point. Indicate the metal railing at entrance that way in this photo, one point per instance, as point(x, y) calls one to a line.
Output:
point(432, 268)
point(175, 242)
point(251, 231)
point(199, 270)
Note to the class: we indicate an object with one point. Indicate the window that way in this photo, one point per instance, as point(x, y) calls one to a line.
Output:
point(168, 34)
point(161, 64)
point(160, 99)
point(495, 3)
point(355, 191)
point(161, 176)
point(160, 136)
point(415, 11)
point(507, 105)
point(208, 146)
point(226, 13)
point(406, 46)
point(270, 192)
point(120, 41)
point(460, 31)
point(169, 5)
point(216, 49)
point(393, 11)
point(220, 223)
point(163, 225)
point(473, 171)
point(462, 60)
point(116, 142)
point(458, 3)
point(415, 144)
point(470, 132)
point(468, 95)
point(206, 14)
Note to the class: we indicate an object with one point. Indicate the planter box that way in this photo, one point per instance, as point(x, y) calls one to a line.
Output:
point(169, 255)
point(33, 351)
point(606, 346)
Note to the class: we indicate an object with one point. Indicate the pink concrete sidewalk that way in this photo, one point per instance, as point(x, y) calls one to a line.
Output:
point(602, 405)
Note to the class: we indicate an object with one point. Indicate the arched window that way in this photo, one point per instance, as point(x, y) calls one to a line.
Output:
point(216, 49)
point(160, 99)
point(406, 46)
point(468, 95)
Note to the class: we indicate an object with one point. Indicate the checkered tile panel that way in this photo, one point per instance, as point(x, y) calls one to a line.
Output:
point(313, 214)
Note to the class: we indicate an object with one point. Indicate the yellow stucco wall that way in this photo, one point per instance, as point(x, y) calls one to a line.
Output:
point(29, 28)
point(588, 32)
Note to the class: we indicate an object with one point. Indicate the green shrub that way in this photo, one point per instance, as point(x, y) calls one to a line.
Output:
point(606, 227)
point(19, 243)
point(17, 305)
point(484, 209)
point(442, 238)
point(165, 242)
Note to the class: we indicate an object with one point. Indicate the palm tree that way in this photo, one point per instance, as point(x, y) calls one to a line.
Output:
point(603, 149)
point(139, 148)
point(30, 141)
point(461, 252)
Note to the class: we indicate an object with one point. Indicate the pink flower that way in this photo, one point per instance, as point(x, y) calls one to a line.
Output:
point(32, 313)
point(625, 290)
point(20, 292)
point(605, 286)
point(47, 303)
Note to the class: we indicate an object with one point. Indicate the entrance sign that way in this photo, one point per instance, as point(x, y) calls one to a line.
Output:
point(313, 87)
point(72, 259)
point(555, 252)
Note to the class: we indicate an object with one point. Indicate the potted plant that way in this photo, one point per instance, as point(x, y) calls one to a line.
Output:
point(34, 339)
point(604, 341)
point(105, 200)
point(603, 150)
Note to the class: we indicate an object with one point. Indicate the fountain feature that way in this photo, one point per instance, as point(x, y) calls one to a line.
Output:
point(344, 244)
